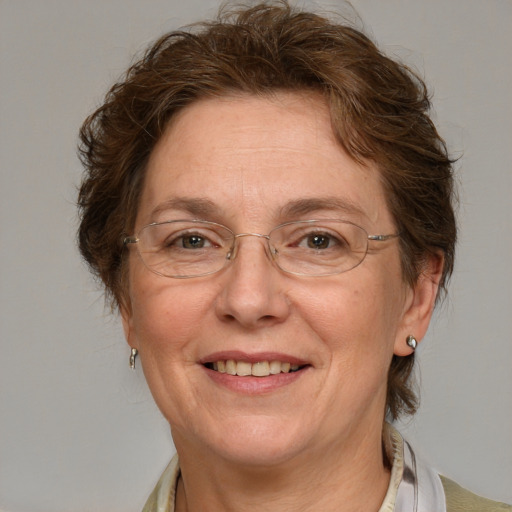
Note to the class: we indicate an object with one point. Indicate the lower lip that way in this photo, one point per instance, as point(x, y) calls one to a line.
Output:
point(255, 385)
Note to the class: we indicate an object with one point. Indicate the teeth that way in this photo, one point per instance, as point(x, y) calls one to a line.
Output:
point(259, 369)
point(275, 367)
point(231, 367)
point(243, 369)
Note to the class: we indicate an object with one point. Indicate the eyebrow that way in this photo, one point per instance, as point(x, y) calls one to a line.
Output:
point(309, 205)
point(197, 206)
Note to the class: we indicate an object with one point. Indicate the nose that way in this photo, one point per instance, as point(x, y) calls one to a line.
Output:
point(253, 293)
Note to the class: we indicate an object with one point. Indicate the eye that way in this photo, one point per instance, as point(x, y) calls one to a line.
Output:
point(193, 242)
point(184, 238)
point(319, 241)
point(189, 241)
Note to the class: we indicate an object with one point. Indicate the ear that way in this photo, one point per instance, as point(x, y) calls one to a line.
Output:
point(419, 304)
point(127, 320)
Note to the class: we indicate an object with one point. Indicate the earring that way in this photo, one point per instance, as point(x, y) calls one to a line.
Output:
point(133, 355)
point(411, 341)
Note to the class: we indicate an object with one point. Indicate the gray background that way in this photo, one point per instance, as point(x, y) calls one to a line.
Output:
point(78, 430)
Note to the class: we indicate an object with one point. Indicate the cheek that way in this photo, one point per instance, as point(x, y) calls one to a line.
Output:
point(356, 316)
point(166, 320)
point(166, 314)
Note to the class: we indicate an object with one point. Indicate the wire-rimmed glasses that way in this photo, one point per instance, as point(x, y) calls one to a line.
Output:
point(193, 248)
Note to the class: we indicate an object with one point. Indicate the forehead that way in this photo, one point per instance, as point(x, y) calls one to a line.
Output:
point(254, 157)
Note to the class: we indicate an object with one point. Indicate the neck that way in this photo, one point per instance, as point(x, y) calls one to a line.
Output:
point(347, 477)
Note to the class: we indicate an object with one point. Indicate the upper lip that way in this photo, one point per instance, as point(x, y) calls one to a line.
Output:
point(254, 357)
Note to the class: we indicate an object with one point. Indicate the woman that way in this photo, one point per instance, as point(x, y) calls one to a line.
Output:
point(270, 207)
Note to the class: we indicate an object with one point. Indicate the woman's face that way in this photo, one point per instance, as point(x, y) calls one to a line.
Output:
point(252, 163)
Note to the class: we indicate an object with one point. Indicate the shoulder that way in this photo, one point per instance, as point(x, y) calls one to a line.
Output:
point(459, 499)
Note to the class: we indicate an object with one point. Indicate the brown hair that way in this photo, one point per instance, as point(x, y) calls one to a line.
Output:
point(379, 112)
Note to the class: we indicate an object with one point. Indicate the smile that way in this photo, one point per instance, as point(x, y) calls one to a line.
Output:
point(258, 369)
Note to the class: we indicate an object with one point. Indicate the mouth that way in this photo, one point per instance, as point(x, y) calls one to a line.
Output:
point(242, 368)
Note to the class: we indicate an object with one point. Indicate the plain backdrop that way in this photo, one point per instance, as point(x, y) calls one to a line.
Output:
point(79, 430)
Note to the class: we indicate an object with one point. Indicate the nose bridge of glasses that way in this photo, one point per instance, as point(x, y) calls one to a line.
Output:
point(234, 251)
point(259, 235)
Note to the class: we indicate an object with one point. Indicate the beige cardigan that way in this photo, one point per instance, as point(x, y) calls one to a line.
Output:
point(459, 499)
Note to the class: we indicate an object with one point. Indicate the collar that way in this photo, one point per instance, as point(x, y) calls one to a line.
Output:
point(413, 486)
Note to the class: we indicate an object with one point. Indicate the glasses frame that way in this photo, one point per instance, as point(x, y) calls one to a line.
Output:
point(231, 254)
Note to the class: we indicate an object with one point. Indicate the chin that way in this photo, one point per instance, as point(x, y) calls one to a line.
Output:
point(261, 454)
point(258, 441)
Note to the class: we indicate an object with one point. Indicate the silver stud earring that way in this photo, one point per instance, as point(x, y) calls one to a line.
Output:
point(133, 355)
point(411, 341)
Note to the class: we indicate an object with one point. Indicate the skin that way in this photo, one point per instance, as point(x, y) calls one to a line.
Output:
point(314, 443)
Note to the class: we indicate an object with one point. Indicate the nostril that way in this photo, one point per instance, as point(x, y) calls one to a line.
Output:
point(229, 317)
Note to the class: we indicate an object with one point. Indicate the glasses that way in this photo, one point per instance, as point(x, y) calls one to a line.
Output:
point(193, 248)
